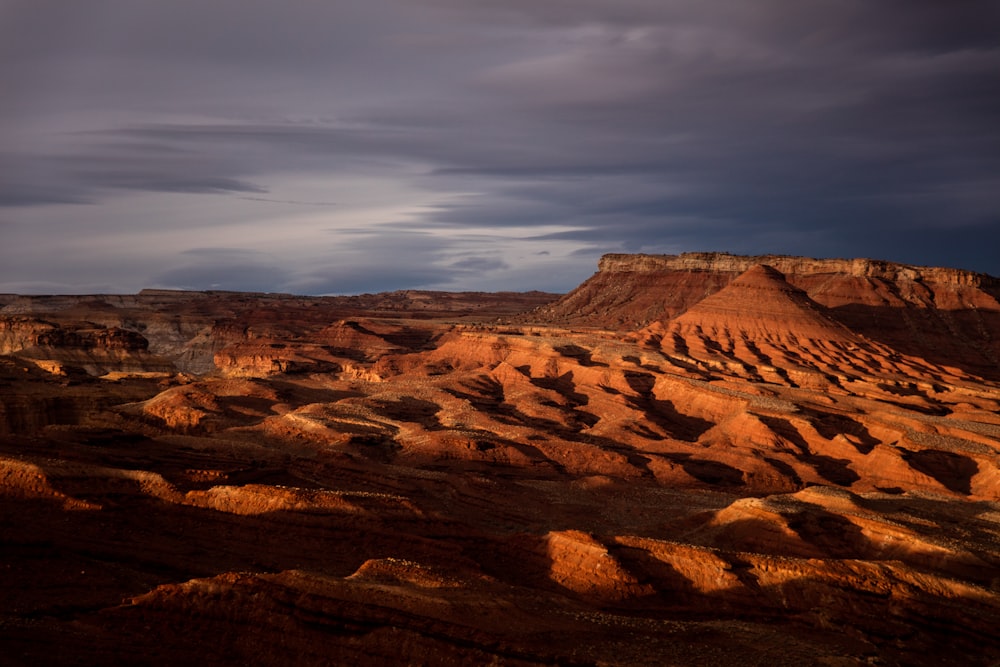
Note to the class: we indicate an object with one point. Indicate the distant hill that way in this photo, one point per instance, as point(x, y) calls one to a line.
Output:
point(948, 316)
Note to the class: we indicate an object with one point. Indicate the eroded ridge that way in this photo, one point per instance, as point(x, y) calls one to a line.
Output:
point(946, 316)
point(416, 478)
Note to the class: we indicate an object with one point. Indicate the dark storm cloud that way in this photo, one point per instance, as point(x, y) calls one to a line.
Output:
point(855, 130)
point(833, 127)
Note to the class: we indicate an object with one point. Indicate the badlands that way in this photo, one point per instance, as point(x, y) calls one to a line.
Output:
point(702, 459)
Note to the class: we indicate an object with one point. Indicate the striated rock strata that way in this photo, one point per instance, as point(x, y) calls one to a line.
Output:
point(944, 315)
point(703, 459)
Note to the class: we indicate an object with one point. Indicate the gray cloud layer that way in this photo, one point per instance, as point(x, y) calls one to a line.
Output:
point(500, 144)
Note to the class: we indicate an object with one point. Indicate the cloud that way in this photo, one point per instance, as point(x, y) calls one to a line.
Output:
point(394, 260)
point(289, 201)
point(462, 139)
point(235, 269)
point(479, 264)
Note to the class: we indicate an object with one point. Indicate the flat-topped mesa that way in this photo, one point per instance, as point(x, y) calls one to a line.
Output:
point(790, 265)
point(947, 316)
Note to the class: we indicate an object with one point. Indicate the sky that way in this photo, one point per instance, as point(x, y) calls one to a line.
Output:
point(344, 147)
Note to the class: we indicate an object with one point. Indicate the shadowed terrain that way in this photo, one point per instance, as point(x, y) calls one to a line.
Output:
point(701, 459)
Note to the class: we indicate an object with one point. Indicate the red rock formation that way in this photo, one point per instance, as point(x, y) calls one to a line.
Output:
point(944, 315)
point(753, 475)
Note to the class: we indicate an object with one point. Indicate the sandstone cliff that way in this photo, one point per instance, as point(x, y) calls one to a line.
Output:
point(776, 461)
point(946, 315)
point(81, 346)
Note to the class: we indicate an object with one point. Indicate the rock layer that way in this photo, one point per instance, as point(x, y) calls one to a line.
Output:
point(746, 479)
point(943, 315)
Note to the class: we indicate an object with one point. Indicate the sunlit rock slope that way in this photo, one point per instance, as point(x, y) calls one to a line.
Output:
point(702, 459)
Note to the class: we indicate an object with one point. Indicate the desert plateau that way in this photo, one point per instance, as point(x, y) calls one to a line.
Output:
point(695, 459)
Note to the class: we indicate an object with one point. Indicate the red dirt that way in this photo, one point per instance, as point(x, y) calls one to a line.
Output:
point(731, 471)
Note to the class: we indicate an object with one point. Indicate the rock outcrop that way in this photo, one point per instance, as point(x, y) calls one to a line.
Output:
point(79, 346)
point(703, 459)
point(943, 315)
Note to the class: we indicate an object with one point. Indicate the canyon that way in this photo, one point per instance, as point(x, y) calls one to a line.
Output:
point(696, 459)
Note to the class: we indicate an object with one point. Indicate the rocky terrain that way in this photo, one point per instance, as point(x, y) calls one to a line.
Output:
point(701, 459)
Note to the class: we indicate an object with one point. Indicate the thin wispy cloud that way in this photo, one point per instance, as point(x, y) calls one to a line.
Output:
point(499, 144)
point(290, 201)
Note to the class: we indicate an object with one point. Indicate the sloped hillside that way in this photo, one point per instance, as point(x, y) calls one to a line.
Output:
point(693, 461)
point(944, 315)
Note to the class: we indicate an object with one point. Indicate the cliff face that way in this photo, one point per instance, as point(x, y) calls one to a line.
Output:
point(752, 476)
point(18, 333)
point(946, 315)
point(189, 329)
point(794, 266)
point(78, 346)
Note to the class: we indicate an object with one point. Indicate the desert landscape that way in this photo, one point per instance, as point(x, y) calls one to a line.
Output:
point(696, 459)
